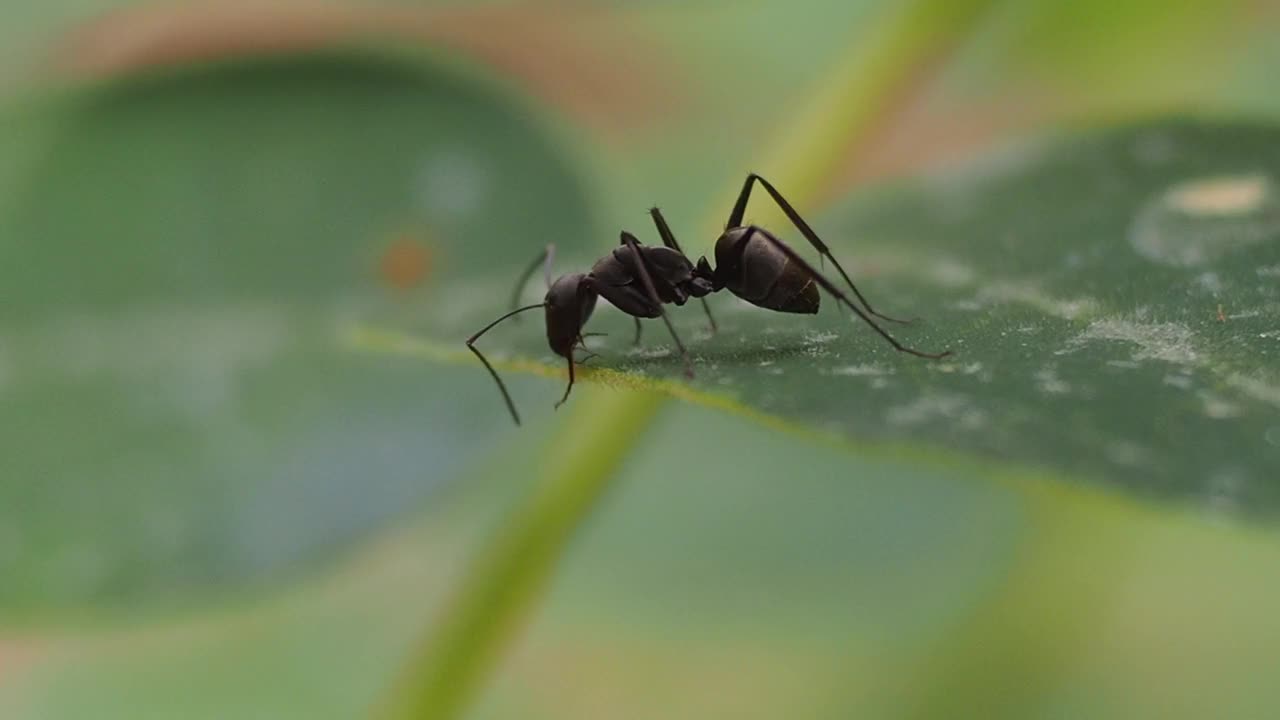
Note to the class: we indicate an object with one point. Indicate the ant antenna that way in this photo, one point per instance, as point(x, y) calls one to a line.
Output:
point(545, 259)
point(506, 396)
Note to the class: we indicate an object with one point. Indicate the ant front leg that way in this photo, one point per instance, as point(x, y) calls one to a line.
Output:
point(568, 387)
point(669, 239)
point(637, 259)
point(639, 328)
point(740, 210)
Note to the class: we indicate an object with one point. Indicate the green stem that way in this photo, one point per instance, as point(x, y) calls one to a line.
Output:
point(505, 582)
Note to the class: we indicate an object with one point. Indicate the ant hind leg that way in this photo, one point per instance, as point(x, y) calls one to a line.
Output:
point(824, 252)
point(835, 292)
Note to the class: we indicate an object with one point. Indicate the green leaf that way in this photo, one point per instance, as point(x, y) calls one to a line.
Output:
point(1111, 300)
point(176, 251)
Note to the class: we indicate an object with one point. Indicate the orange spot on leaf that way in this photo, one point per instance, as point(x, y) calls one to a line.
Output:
point(406, 263)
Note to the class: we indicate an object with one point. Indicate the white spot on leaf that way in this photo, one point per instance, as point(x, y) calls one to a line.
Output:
point(650, 353)
point(948, 407)
point(1065, 308)
point(1224, 487)
point(1220, 196)
point(1124, 452)
point(452, 182)
point(820, 338)
point(1048, 382)
point(1196, 222)
point(1255, 388)
point(862, 371)
point(1218, 408)
point(1272, 435)
point(951, 273)
point(1168, 342)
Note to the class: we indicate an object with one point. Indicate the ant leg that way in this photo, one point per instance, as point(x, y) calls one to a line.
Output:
point(638, 258)
point(544, 259)
point(740, 209)
point(570, 386)
point(827, 285)
point(669, 239)
point(639, 327)
point(582, 345)
point(471, 345)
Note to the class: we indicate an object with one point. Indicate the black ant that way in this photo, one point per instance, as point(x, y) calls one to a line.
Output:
point(639, 279)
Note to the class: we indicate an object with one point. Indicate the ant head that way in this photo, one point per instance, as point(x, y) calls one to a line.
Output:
point(569, 303)
point(564, 291)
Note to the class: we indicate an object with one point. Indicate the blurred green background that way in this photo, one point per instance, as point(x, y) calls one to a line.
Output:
point(248, 470)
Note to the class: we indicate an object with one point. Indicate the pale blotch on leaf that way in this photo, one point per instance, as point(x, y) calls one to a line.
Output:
point(862, 371)
point(819, 338)
point(1169, 342)
point(950, 408)
point(951, 273)
point(1219, 408)
point(1224, 487)
point(650, 353)
point(1255, 388)
point(965, 305)
point(1124, 452)
point(1272, 436)
point(1220, 196)
point(1048, 382)
point(1065, 308)
point(1211, 282)
point(453, 182)
point(1196, 222)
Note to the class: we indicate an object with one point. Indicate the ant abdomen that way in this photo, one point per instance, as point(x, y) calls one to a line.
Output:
point(763, 275)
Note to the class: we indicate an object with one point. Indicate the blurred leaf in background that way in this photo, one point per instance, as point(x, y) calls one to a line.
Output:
point(210, 506)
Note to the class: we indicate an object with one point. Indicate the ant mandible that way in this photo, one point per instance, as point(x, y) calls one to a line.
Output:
point(639, 279)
